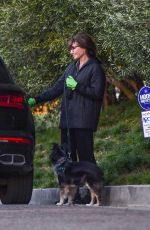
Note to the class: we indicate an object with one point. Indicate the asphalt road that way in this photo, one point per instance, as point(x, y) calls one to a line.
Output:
point(51, 217)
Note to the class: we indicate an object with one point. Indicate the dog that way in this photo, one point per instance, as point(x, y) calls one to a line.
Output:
point(71, 175)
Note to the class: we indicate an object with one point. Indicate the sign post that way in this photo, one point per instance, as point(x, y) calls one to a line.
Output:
point(144, 102)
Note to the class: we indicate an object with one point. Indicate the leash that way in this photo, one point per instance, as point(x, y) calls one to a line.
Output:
point(62, 163)
point(67, 120)
point(66, 111)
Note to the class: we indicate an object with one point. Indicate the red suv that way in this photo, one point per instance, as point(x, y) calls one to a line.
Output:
point(17, 142)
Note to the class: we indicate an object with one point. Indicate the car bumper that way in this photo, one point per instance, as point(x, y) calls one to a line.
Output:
point(16, 157)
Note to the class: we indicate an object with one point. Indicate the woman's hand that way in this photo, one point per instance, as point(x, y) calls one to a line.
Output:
point(71, 83)
point(31, 102)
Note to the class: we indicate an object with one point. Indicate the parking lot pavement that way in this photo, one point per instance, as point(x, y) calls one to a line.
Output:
point(52, 217)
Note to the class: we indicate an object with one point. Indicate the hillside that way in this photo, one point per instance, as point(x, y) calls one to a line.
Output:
point(120, 147)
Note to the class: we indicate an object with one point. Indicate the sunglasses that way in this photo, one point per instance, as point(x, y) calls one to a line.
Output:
point(73, 47)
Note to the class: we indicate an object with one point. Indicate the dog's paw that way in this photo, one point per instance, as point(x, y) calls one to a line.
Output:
point(59, 203)
point(68, 203)
point(89, 205)
point(96, 205)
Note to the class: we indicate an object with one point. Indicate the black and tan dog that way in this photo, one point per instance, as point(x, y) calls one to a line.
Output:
point(71, 175)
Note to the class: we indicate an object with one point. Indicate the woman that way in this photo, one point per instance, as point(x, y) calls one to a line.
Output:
point(82, 86)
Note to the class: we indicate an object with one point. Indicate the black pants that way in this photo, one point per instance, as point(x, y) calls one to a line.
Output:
point(81, 141)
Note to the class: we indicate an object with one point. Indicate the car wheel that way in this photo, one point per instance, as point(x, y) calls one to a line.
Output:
point(18, 190)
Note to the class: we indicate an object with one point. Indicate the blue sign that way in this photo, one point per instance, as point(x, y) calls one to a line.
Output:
point(144, 98)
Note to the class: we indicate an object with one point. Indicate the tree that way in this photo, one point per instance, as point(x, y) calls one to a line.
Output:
point(34, 33)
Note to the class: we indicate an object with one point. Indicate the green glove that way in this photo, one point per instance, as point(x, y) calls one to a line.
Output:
point(31, 102)
point(71, 83)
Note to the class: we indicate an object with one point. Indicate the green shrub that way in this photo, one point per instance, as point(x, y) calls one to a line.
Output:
point(43, 172)
point(50, 120)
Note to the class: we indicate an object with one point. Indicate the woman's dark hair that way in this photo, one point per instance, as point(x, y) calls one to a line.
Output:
point(84, 41)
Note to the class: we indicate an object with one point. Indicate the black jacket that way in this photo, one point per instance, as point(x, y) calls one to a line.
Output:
point(84, 103)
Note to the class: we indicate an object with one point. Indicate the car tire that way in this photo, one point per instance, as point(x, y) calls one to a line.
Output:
point(18, 190)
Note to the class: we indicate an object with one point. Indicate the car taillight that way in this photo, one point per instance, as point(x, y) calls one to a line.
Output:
point(20, 140)
point(16, 101)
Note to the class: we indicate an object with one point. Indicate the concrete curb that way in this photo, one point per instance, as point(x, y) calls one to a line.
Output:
point(136, 195)
point(45, 196)
point(127, 195)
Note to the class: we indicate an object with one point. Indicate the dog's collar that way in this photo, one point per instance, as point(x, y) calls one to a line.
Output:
point(61, 165)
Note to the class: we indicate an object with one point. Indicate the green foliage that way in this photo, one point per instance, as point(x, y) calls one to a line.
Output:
point(49, 120)
point(46, 134)
point(34, 50)
point(122, 147)
point(34, 34)
point(43, 172)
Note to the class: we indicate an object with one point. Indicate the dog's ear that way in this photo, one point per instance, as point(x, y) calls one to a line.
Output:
point(54, 153)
